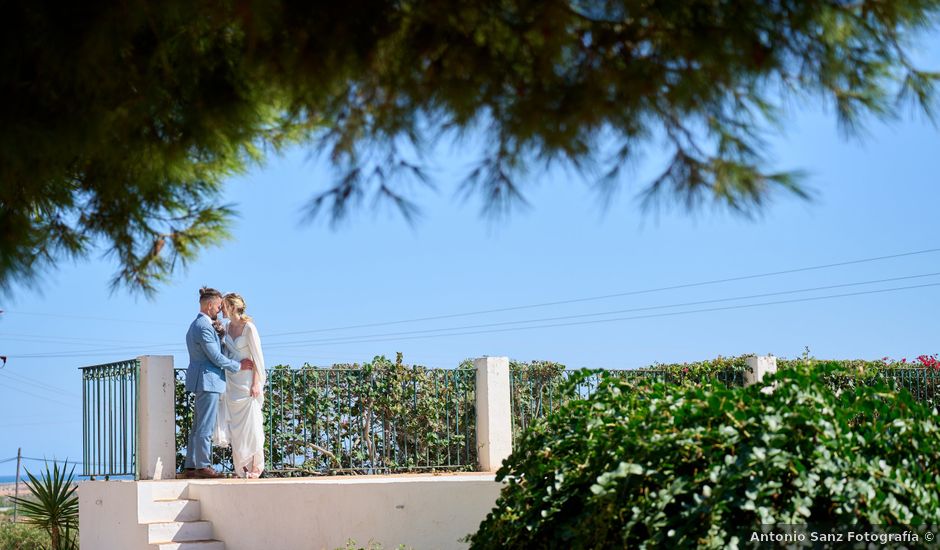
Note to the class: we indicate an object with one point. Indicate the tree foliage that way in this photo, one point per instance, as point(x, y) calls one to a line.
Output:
point(642, 464)
point(121, 121)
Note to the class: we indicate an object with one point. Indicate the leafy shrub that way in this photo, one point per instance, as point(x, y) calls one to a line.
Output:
point(22, 536)
point(376, 417)
point(540, 387)
point(370, 418)
point(646, 464)
point(385, 415)
point(920, 377)
point(727, 369)
point(537, 387)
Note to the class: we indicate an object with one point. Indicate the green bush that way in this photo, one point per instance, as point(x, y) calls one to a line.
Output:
point(386, 416)
point(642, 463)
point(21, 536)
point(380, 416)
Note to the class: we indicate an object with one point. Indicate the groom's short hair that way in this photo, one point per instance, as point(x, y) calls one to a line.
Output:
point(206, 294)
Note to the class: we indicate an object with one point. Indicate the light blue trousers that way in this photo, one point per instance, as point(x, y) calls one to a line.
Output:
point(199, 449)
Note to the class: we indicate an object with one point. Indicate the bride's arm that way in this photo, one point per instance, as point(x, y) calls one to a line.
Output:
point(226, 341)
point(254, 346)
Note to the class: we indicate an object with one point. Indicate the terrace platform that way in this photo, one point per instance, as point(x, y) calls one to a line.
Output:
point(422, 511)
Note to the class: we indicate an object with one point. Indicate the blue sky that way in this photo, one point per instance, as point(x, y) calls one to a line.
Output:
point(875, 196)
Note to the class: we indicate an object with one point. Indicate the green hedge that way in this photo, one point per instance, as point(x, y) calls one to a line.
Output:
point(384, 415)
point(644, 463)
point(376, 417)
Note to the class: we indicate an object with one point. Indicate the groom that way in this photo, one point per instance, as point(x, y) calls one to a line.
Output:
point(206, 379)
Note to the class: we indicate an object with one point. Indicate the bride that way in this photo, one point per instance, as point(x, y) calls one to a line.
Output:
point(240, 420)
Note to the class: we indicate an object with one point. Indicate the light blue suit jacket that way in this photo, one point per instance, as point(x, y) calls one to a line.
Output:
point(206, 361)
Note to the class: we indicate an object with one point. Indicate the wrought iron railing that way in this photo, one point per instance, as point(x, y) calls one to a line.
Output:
point(110, 419)
point(537, 392)
point(382, 417)
point(360, 420)
point(355, 420)
point(533, 395)
point(922, 383)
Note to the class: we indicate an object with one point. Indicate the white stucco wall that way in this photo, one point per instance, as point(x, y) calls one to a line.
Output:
point(157, 443)
point(107, 516)
point(420, 511)
point(494, 412)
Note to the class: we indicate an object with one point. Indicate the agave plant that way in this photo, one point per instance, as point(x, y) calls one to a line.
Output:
point(53, 505)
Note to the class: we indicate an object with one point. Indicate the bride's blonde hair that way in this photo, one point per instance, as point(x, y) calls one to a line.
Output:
point(236, 303)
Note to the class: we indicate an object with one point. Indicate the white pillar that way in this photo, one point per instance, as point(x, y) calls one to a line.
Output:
point(759, 366)
point(156, 418)
point(494, 412)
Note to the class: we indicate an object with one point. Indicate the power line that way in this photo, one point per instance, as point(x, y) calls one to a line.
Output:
point(617, 294)
point(372, 337)
point(16, 377)
point(282, 345)
point(274, 345)
point(19, 378)
point(85, 318)
point(72, 462)
point(50, 423)
point(55, 338)
point(88, 353)
point(129, 347)
point(55, 460)
point(652, 316)
point(45, 398)
point(100, 351)
point(37, 340)
point(32, 417)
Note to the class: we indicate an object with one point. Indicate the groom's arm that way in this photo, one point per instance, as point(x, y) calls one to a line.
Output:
point(210, 345)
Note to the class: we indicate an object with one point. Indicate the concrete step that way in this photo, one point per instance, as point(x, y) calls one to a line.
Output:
point(165, 490)
point(179, 531)
point(193, 545)
point(167, 511)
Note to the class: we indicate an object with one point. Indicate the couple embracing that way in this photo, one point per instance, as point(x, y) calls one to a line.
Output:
point(226, 372)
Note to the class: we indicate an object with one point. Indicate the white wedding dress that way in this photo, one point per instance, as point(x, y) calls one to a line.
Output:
point(241, 423)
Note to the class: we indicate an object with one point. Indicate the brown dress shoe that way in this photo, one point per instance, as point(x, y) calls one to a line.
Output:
point(206, 473)
point(186, 474)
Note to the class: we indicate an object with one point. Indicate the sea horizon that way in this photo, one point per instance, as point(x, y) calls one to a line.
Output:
point(8, 479)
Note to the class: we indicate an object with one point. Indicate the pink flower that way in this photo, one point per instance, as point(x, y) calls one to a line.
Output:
point(929, 361)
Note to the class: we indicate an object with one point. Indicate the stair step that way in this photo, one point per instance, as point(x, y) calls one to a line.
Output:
point(166, 490)
point(168, 511)
point(179, 531)
point(192, 545)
